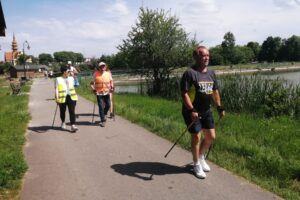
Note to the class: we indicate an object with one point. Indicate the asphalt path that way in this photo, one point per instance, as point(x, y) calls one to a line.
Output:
point(119, 161)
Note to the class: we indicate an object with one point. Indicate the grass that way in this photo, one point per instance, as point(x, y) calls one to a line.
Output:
point(264, 151)
point(14, 117)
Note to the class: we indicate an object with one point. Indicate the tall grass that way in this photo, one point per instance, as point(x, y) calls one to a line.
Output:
point(259, 95)
point(14, 117)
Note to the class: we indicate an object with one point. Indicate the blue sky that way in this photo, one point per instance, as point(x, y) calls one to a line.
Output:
point(96, 27)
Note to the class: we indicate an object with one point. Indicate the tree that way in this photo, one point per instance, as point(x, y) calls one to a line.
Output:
point(254, 46)
point(64, 56)
point(290, 50)
point(156, 46)
point(45, 58)
point(270, 49)
point(216, 56)
point(228, 47)
point(242, 54)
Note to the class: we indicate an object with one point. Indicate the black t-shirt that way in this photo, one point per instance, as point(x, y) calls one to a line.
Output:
point(200, 86)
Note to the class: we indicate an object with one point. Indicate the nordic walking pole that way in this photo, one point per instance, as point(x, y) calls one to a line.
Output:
point(54, 115)
point(180, 137)
point(210, 147)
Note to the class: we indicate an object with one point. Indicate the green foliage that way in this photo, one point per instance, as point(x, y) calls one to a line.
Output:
point(290, 50)
point(228, 45)
point(255, 47)
point(64, 56)
point(270, 49)
point(14, 117)
point(216, 56)
point(45, 58)
point(4, 67)
point(156, 46)
point(260, 95)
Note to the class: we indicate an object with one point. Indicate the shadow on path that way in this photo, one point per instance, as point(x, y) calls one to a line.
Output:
point(139, 169)
point(44, 129)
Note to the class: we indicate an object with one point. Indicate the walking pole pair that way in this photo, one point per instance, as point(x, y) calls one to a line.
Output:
point(54, 115)
point(189, 126)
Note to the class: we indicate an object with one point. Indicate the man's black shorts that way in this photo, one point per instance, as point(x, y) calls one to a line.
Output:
point(206, 121)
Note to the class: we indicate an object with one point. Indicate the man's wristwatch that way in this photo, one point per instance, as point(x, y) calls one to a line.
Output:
point(220, 109)
point(192, 110)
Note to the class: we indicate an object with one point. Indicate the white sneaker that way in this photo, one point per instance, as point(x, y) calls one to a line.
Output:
point(198, 171)
point(204, 165)
point(63, 126)
point(74, 128)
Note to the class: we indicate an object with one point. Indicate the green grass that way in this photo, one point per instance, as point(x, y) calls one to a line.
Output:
point(14, 117)
point(264, 151)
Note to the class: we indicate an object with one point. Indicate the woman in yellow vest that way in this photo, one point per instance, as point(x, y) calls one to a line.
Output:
point(65, 95)
point(102, 85)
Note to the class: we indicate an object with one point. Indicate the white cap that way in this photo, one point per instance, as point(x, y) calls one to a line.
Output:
point(69, 62)
point(101, 64)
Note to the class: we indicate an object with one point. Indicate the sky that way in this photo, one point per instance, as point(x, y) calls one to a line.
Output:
point(96, 27)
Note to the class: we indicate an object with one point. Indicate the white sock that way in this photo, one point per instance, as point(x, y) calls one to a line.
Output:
point(197, 162)
point(202, 157)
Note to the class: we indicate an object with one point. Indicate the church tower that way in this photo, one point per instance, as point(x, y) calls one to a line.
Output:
point(14, 45)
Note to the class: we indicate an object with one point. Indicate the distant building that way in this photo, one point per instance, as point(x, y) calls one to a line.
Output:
point(12, 56)
point(30, 70)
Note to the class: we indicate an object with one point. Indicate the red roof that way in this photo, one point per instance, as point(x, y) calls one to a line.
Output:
point(8, 57)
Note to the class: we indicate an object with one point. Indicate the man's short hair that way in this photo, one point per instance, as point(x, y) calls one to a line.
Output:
point(64, 68)
point(196, 51)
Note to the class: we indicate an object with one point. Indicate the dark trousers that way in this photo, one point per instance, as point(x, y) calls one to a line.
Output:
point(104, 105)
point(71, 107)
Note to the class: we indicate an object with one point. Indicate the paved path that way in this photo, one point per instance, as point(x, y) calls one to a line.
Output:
point(120, 161)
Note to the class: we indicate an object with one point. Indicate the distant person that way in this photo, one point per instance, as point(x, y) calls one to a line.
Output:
point(198, 88)
point(73, 72)
point(50, 73)
point(102, 85)
point(66, 96)
point(46, 74)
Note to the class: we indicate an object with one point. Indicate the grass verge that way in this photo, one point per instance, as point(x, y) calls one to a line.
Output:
point(14, 117)
point(264, 151)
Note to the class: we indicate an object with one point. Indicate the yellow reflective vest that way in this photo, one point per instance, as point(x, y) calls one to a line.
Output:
point(62, 87)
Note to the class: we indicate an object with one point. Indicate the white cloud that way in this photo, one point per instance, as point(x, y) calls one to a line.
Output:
point(287, 3)
point(119, 7)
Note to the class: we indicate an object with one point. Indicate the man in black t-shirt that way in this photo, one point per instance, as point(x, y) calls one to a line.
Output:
point(198, 88)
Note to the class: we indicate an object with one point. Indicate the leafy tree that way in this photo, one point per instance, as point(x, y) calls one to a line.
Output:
point(255, 47)
point(228, 47)
point(270, 49)
point(216, 56)
point(45, 58)
point(4, 67)
point(64, 56)
point(156, 46)
point(242, 54)
point(290, 50)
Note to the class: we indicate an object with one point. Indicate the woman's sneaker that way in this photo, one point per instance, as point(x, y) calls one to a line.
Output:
point(198, 171)
point(74, 128)
point(63, 126)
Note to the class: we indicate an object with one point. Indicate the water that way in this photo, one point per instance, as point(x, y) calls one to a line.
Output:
point(135, 87)
point(293, 77)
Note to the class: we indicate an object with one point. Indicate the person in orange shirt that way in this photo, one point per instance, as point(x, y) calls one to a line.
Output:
point(102, 85)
